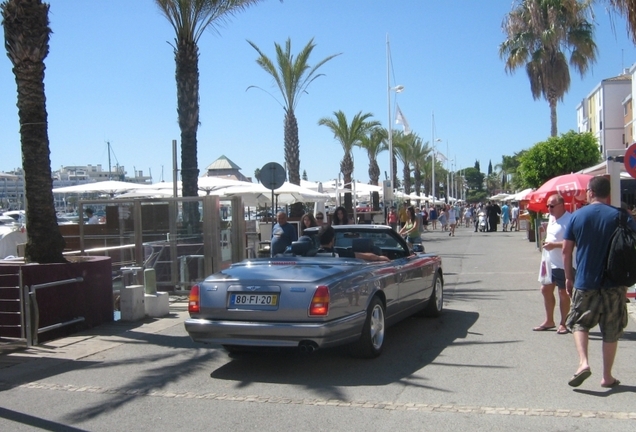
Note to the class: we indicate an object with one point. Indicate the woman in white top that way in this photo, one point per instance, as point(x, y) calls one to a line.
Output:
point(452, 220)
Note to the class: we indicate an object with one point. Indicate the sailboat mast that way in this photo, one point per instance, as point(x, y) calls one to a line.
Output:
point(110, 176)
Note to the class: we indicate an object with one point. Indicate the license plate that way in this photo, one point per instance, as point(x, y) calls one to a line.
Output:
point(254, 300)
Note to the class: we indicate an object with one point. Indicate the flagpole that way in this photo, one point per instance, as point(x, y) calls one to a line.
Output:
point(388, 97)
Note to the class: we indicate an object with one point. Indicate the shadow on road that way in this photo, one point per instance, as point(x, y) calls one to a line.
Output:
point(409, 346)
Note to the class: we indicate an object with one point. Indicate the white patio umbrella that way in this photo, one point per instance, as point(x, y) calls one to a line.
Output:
point(111, 187)
point(288, 193)
point(519, 196)
point(499, 197)
point(147, 193)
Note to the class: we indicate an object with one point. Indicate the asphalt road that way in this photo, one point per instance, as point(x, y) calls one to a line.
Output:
point(479, 367)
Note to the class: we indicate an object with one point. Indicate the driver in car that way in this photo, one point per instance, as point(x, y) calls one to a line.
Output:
point(327, 237)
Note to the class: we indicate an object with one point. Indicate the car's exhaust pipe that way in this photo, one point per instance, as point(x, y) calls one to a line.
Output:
point(307, 347)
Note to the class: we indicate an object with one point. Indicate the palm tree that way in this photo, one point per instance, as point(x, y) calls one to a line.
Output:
point(349, 135)
point(374, 143)
point(403, 149)
point(292, 76)
point(507, 168)
point(419, 155)
point(189, 19)
point(538, 32)
point(26, 34)
point(627, 8)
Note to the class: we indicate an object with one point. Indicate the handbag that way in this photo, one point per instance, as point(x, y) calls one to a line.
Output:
point(545, 269)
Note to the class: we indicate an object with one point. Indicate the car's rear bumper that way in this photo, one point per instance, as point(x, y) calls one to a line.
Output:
point(276, 334)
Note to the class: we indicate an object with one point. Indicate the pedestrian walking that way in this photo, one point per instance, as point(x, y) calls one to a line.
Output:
point(595, 298)
point(557, 223)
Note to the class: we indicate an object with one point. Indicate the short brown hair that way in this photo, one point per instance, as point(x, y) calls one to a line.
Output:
point(600, 185)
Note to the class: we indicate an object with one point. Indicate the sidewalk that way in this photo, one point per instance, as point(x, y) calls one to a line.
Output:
point(114, 334)
point(94, 340)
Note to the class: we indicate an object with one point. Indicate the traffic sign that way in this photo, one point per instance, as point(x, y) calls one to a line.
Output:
point(272, 175)
point(630, 160)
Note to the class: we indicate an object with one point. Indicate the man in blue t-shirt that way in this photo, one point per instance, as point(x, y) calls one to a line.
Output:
point(595, 299)
point(283, 234)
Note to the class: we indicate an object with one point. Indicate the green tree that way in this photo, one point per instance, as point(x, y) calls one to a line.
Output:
point(538, 32)
point(507, 169)
point(26, 36)
point(474, 178)
point(349, 135)
point(374, 143)
point(189, 19)
point(493, 184)
point(570, 152)
point(292, 76)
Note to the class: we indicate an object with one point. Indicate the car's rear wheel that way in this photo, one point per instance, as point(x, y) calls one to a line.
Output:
point(372, 338)
point(436, 302)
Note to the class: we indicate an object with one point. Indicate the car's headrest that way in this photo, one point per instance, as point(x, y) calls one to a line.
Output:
point(362, 245)
point(300, 248)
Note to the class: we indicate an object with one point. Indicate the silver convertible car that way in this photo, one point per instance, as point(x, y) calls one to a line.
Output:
point(309, 299)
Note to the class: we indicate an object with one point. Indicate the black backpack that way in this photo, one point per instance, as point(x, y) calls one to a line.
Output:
point(620, 265)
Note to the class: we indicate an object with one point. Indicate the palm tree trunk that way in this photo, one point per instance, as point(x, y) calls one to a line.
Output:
point(374, 172)
point(292, 147)
point(27, 42)
point(187, 77)
point(553, 116)
point(406, 172)
point(418, 181)
point(346, 167)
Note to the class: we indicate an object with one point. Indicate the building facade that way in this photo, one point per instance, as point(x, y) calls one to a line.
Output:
point(603, 112)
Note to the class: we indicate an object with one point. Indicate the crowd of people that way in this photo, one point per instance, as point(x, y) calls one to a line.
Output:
point(447, 217)
point(576, 243)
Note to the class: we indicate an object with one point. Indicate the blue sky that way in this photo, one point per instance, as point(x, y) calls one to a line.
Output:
point(110, 77)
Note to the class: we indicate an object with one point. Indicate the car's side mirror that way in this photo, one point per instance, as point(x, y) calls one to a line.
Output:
point(418, 248)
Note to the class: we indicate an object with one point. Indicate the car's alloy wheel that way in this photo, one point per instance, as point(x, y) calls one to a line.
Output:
point(372, 338)
point(436, 302)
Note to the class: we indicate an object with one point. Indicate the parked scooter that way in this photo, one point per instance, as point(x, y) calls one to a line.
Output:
point(481, 222)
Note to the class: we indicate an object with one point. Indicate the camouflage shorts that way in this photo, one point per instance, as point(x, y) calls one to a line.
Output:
point(606, 307)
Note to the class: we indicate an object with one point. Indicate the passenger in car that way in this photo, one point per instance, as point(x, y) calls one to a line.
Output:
point(327, 235)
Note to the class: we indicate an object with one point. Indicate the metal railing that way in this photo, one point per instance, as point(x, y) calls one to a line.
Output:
point(32, 313)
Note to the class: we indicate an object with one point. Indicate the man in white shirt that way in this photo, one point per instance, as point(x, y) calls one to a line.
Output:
point(514, 217)
point(92, 219)
point(559, 220)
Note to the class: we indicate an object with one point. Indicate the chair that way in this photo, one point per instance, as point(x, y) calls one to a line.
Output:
point(300, 248)
point(362, 245)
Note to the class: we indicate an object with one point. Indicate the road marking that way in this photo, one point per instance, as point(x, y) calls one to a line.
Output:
point(393, 406)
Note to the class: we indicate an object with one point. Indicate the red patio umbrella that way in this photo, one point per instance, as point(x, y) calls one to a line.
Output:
point(571, 187)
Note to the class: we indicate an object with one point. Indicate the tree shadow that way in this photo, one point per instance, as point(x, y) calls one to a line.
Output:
point(410, 346)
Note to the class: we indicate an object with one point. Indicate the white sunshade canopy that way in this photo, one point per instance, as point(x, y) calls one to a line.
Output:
point(520, 195)
point(109, 186)
point(288, 193)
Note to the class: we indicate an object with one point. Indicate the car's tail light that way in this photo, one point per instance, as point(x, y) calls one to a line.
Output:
point(193, 300)
point(320, 302)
